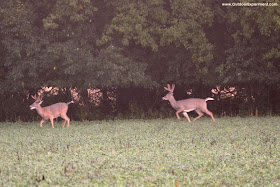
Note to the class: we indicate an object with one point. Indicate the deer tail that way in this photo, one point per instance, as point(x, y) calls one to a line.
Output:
point(70, 102)
point(209, 99)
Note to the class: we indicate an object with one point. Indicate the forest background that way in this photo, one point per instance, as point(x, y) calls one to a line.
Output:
point(113, 58)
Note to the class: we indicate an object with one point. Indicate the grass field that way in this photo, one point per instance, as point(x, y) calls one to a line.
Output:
point(231, 152)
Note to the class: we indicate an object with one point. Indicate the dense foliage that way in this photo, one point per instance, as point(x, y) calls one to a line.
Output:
point(129, 49)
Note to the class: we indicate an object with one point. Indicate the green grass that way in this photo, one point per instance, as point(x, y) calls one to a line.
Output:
point(231, 152)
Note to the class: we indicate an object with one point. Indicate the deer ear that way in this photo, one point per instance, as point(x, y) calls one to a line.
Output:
point(40, 102)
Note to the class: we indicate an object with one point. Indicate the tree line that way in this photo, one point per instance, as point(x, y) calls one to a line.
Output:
point(114, 57)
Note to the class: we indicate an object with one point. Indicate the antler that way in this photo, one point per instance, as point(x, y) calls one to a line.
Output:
point(34, 97)
point(170, 89)
point(39, 98)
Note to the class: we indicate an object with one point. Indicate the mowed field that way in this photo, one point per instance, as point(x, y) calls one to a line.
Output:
point(231, 152)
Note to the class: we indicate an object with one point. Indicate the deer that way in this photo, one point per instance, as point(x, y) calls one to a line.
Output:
point(50, 112)
point(187, 105)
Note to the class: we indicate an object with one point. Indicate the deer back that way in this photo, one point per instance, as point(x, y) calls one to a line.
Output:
point(56, 110)
point(192, 103)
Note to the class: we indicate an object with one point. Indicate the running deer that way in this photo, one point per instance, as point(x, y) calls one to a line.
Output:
point(188, 105)
point(50, 112)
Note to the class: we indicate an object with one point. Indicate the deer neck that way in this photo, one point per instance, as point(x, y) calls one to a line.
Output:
point(41, 111)
point(173, 102)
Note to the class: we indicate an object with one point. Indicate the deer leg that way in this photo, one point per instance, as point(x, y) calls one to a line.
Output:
point(187, 116)
point(42, 121)
point(177, 113)
point(64, 123)
point(200, 114)
point(51, 119)
point(210, 114)
point(66, 118)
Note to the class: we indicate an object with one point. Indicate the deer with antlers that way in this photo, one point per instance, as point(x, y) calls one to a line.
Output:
point(187, 105)
point(50, 112)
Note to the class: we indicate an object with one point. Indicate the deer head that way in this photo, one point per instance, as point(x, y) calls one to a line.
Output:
point(38, 101)
point(170, 94)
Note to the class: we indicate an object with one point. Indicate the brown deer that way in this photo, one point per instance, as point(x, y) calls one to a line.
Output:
point(188, 105)
point(51, 112)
